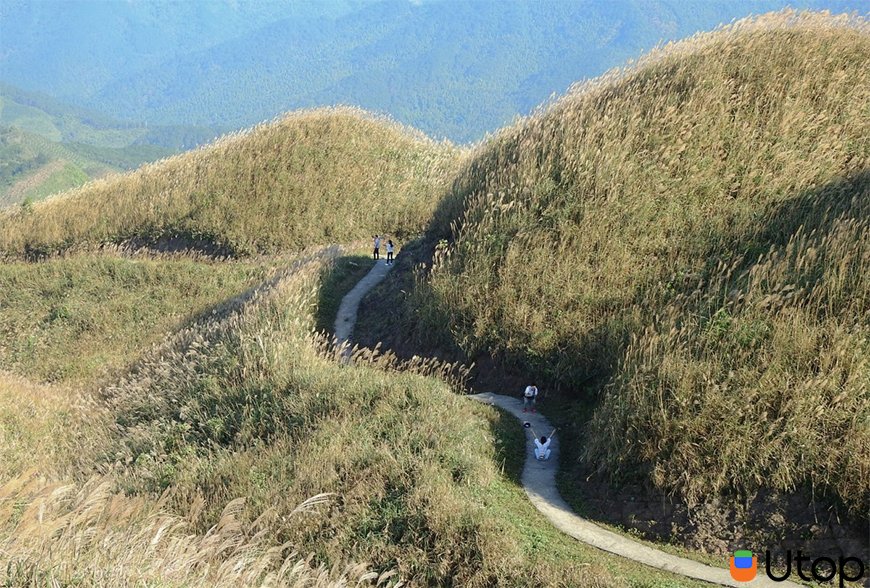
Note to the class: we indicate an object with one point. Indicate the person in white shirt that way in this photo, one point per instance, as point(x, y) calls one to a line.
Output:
point(530, 396)
point(390, 252)
point(376, 254)
point(542, 446)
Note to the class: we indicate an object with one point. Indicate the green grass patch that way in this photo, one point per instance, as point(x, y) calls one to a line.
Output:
point(79, 318)
point(70, 176)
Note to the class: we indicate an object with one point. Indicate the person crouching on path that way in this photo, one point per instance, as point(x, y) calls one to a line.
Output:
point(542, 446)
point(376, 254)
point(390, 248)
point(530, 396)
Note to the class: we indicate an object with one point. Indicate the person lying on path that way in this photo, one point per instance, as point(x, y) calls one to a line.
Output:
point(530, 396)
point(542, 446)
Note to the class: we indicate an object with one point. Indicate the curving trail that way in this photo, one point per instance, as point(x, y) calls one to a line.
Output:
point(539, 482)
point(346, 317)
point(539, 478)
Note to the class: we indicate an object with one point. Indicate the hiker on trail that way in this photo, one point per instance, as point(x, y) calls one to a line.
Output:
point(542, 446)
point(530, 396)
point(377, 252)
point(390, 252)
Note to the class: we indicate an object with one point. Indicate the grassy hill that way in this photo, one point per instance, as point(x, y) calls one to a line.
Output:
point(232, 447)
point(32, 167)
point(309, 178)
point(679, 252)
point(60, 122)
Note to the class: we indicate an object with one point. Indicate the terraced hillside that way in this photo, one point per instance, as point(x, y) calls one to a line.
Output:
point(34, 167)
point(47, 146)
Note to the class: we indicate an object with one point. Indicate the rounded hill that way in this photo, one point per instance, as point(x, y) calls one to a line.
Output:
point(680, 250)
point(310, 177)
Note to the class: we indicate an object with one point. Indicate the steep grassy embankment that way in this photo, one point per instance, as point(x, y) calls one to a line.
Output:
point(685, 243)
point(311, 177)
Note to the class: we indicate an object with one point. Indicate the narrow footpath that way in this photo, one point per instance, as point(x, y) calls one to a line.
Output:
point(346, 317)
point(539, 482)
point(539, 477)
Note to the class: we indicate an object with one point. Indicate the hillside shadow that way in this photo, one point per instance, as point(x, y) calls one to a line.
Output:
point(602, 347)
point(809, 518)
point(575, 372)
point(812, 211)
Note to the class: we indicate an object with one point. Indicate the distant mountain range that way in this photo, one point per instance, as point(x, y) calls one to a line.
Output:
point(452, 69)
point(47, 146)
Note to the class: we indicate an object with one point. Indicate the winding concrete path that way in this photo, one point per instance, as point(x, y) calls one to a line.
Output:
point(539, 482)
point(346, 317)
point(539, 477)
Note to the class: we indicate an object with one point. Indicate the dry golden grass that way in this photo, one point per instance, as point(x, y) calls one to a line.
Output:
point(209, 444)
point(51, 430)
point(692, 233)
point(766, 385)
point(82, 532)
point(252, 404)
point(87, 535)
point(311, 177)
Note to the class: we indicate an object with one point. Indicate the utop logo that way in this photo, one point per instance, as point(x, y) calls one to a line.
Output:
point(744, 566)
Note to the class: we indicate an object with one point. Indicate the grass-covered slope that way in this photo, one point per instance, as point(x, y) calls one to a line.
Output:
point(78, 319)
point(208, 446)
point(47, 147)
point(31, 167)
point(311, 177)
point(62, 123)
point(691, 236)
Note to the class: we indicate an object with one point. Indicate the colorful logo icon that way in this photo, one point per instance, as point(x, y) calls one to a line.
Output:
point(744, 566)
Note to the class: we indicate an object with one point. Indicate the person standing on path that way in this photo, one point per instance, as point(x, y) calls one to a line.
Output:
point(530, 396)
point(390, 247)
point(542, 445)
point(377, 252)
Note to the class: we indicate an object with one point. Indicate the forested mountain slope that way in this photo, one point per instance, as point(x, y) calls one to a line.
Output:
point(451, 69)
